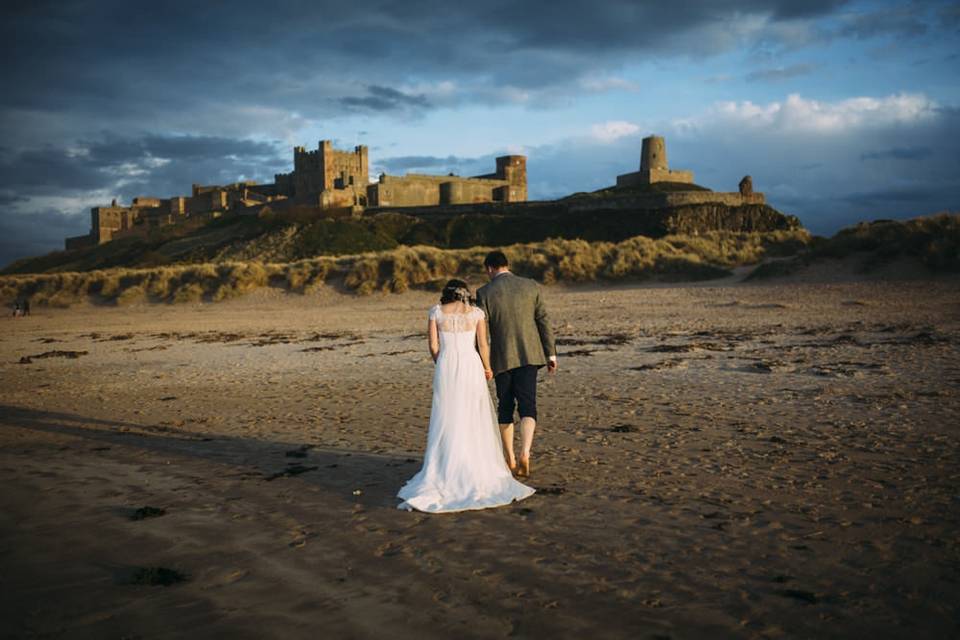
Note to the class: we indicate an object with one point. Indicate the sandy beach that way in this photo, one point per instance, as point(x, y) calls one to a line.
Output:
point(713, 460)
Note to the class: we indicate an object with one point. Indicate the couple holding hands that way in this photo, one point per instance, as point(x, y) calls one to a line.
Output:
point(469, 462)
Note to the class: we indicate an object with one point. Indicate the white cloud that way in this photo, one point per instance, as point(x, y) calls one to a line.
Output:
point(240, 120)
point(718, 79)
point(514, 95)
point(797, 114)
point(613, 130)
point(603, 84)
point(67, 206)
point(435, 92)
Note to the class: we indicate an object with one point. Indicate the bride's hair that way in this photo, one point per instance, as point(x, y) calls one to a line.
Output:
point(456, 290)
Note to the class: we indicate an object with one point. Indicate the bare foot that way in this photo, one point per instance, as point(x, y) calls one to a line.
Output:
point(524, 470)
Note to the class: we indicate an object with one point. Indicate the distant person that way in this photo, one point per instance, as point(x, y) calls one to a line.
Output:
point(521, 342)
point(25, 307)
point(16, 308)
point(463, 466)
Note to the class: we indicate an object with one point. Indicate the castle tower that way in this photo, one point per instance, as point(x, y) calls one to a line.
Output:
point(513, 169)
point(343, 169)
point(327, 168)
point(653, 154)
point(653, 167)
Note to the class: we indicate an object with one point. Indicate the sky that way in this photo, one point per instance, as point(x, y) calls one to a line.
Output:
point(841, 111)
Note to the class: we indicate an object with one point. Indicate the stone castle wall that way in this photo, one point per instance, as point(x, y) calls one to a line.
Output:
point(642, 204)
point(78, 242)
point(467, 191)
point(646, 177)
point(660, 200)
point(507, 184)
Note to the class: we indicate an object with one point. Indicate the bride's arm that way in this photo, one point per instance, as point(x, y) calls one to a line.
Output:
point(483, 346)
point(433, 338)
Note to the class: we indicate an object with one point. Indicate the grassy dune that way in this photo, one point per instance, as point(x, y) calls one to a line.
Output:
point(682, 257)
point(932, 240)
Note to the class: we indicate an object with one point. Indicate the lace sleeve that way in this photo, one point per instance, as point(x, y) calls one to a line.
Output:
point(477, 316)
point(434, 313)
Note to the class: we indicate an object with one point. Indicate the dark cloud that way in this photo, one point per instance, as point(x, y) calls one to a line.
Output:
point(51, 171)
point(898, 196)
point(385, 99)
point(950, 16)
point(908, 153)
point(901, 21)
point(804, 9)
point(124, 168)
point(916, 199)
point(7, 199)
point(112, 150)
point(23, 235)
point(129, 61)
point(779, 73)
point(163, 164)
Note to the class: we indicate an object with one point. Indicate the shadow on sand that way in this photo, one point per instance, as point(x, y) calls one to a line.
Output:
point(340, 471)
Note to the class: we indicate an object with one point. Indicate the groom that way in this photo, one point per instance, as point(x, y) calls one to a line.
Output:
point(520, 343)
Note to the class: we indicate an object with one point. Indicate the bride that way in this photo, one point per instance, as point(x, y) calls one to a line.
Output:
point(463, 466)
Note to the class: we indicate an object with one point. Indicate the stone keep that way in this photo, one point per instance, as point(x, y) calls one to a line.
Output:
point(653, 154)
point(653, 166)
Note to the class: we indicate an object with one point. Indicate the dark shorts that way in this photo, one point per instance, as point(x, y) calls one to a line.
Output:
point(516, 387)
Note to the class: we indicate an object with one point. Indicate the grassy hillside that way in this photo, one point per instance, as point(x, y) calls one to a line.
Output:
point(295, 233)
point(682, 257)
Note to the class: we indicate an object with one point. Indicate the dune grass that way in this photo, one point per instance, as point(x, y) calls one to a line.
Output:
point(933, 240)
point(681, 257)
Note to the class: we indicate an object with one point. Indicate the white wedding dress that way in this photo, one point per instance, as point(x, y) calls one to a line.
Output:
point(463, 466)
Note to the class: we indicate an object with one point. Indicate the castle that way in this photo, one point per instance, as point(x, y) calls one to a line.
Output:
point(326, 178)
point(334, 180)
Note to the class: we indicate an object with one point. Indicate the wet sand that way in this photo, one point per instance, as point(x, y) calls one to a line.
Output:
point(743, 461)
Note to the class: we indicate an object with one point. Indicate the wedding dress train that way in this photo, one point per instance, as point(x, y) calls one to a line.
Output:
point(463, 465)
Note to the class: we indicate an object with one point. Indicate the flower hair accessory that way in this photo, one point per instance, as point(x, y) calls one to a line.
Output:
point(456, 291)
point(461, 294)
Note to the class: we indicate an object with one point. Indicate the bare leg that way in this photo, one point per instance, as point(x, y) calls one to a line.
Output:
point(527, 427)
point(506, 435)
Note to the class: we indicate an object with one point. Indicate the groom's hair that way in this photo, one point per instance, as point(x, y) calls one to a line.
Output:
point(495, 260)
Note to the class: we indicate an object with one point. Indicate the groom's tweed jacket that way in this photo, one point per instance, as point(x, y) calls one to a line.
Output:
point(520, 333)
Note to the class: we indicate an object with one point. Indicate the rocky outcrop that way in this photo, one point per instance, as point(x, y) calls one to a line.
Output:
point(609, 220)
